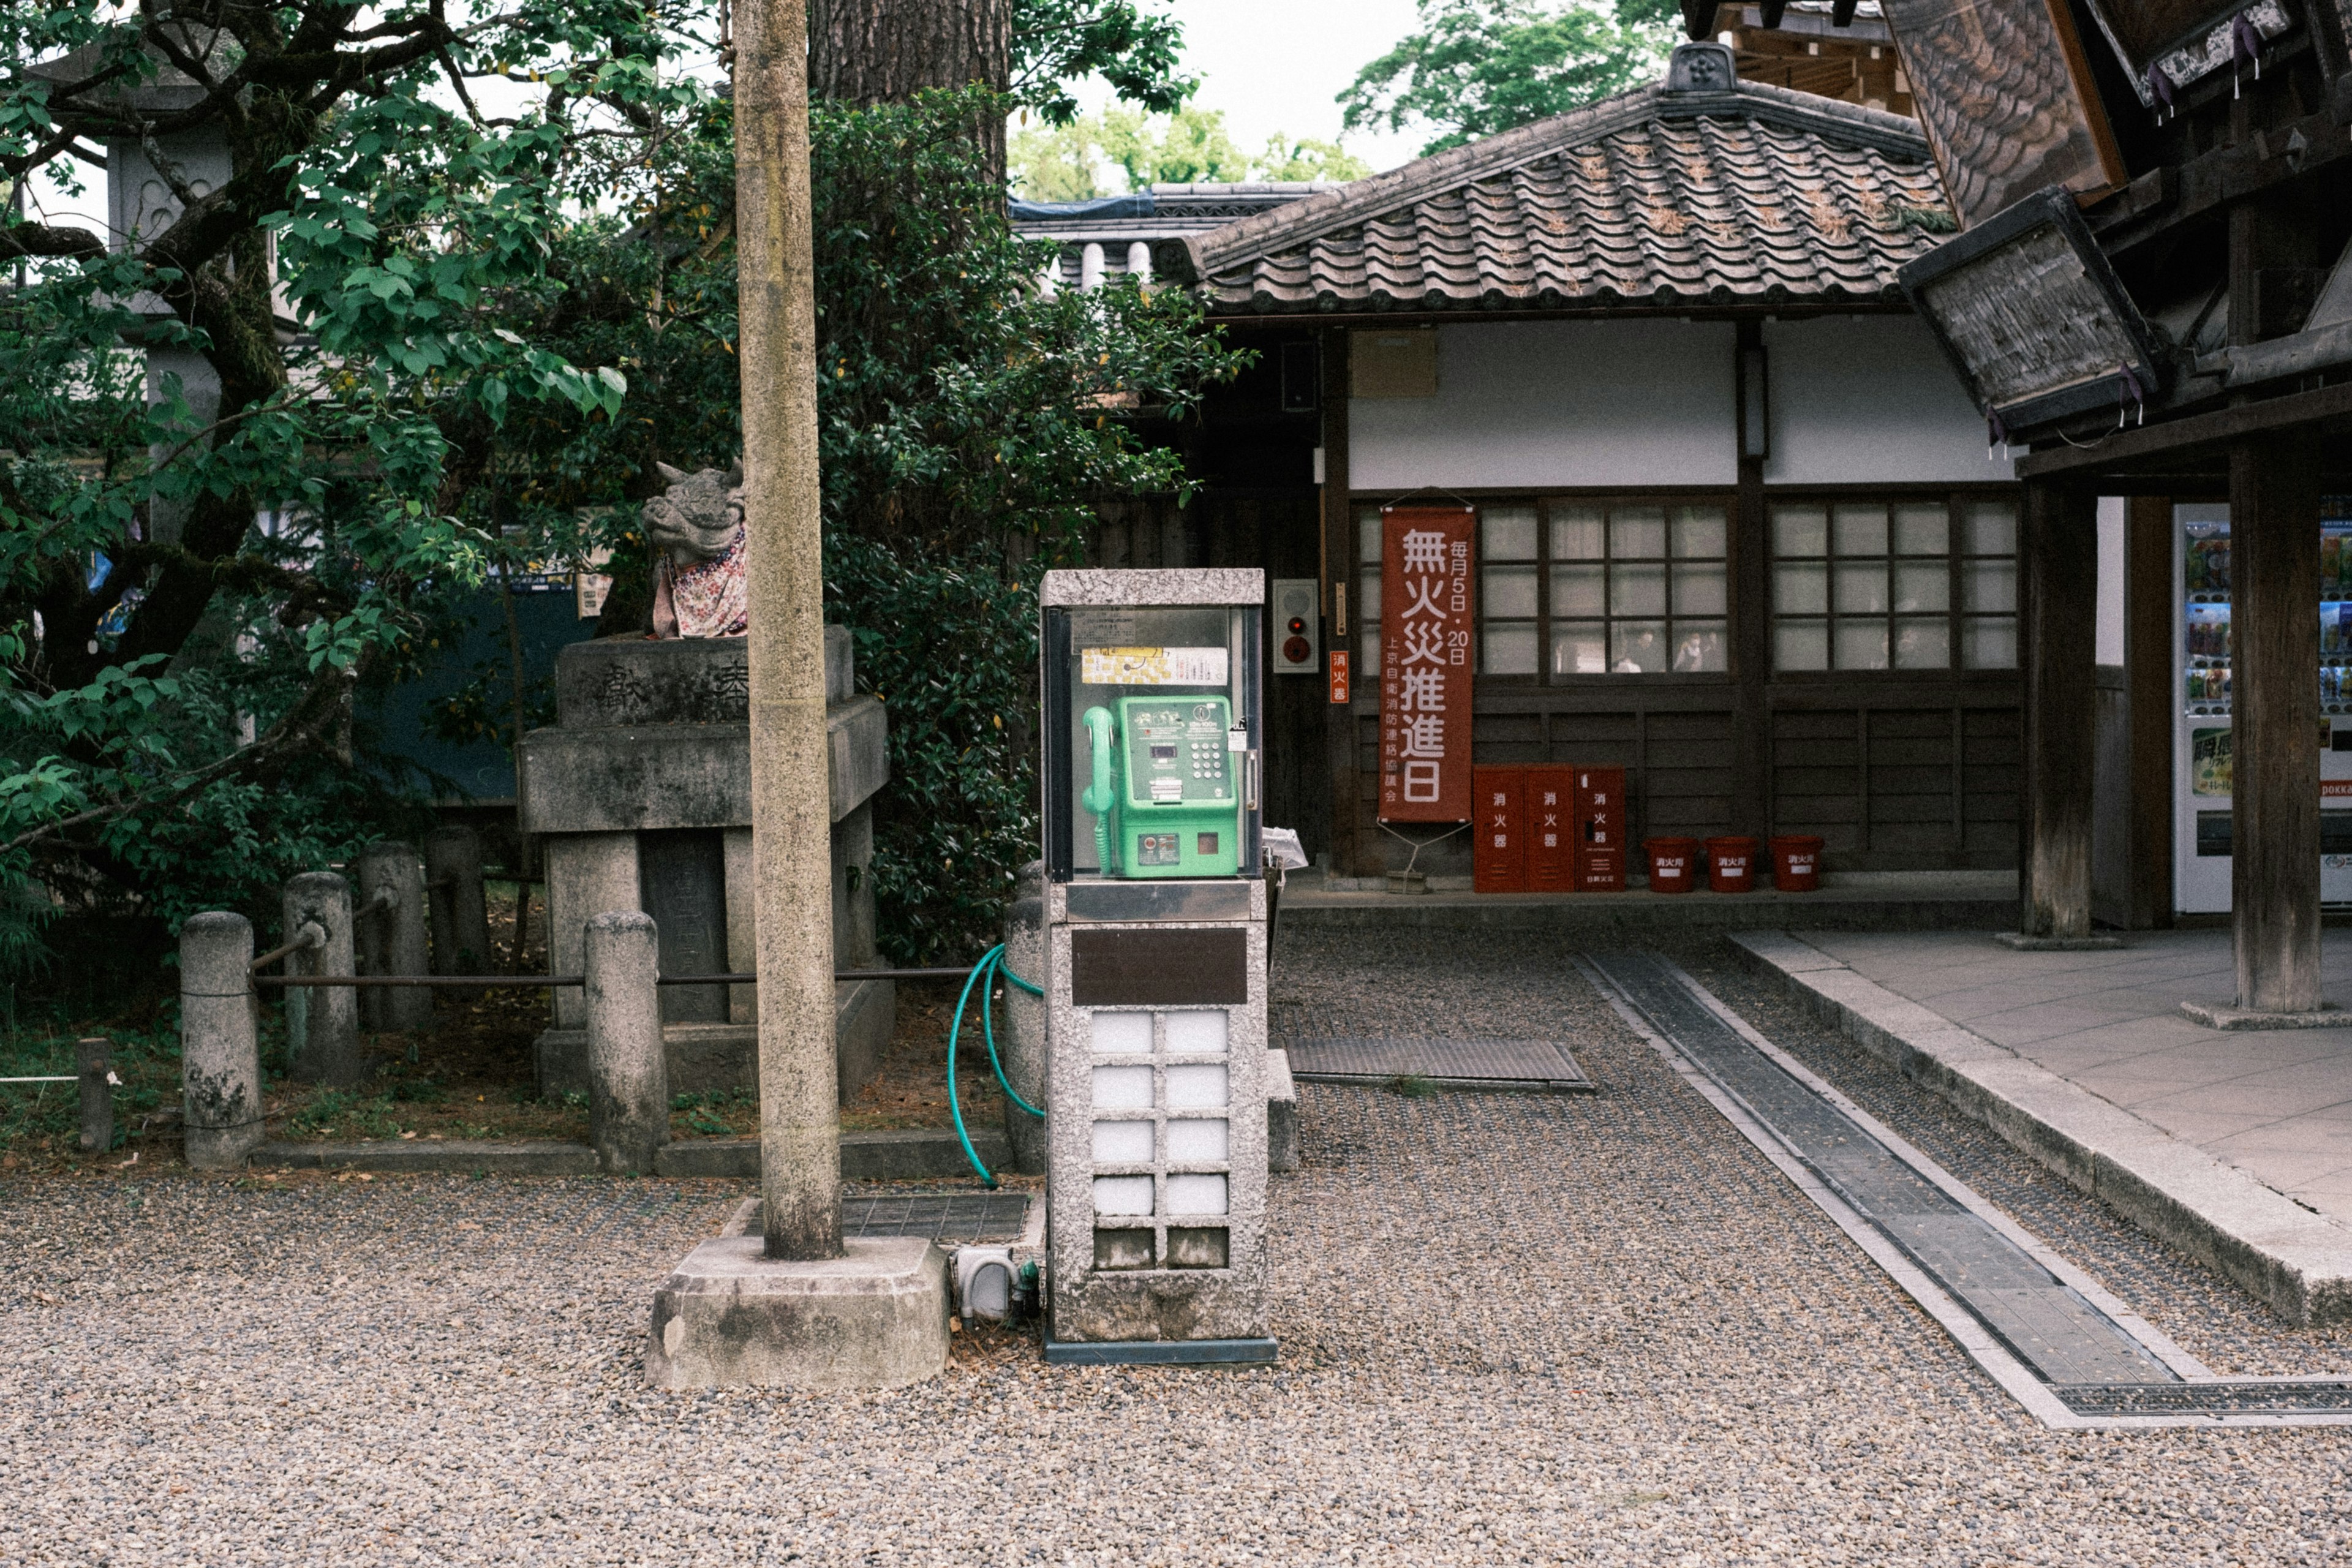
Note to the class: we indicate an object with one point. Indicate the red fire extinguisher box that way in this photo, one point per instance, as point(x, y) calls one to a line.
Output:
point(1499, 856)
point(1551, 794)
point(1598, 812)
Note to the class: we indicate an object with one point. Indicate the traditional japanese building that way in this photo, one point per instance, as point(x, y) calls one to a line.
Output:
point(1737, 529)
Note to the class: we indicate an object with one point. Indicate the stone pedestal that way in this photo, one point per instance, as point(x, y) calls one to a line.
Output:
point(876, 1317)
point(641, 795)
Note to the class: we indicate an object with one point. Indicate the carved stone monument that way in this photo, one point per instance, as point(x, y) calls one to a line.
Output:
point(642, 791)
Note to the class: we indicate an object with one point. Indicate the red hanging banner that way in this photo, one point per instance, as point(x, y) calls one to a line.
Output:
point(1427, 610)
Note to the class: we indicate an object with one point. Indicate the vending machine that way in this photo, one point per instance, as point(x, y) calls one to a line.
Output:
point(2201, 665)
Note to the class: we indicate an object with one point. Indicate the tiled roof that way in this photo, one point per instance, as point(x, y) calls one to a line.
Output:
point(1749, 193)
point(1176, 209)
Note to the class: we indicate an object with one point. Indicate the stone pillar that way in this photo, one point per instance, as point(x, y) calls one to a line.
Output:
point(628, 1080)
point(94, 1061)
point(453, 887)
point(743, 936)
point(389, 929)
point(329, 1048)
point(2274, 655)
point(220, 1062)
point(587, 875)
point(1021, 1041)
point(2060, 549)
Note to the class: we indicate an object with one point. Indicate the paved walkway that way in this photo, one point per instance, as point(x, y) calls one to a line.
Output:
point(2277, 1104)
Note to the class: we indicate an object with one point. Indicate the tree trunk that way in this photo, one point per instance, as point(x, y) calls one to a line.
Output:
point(885, 51)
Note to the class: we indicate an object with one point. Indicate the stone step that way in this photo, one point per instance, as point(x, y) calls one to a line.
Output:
point(531, 1157)
point(897, 1155)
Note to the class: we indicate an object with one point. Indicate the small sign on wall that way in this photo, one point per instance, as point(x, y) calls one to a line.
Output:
point(1338, 676)
point(1425, 670)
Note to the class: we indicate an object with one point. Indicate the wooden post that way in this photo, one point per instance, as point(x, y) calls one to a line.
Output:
point(2060, 551)
point(1340, 609)
point(792, 817)
point(2275, 788)
point(2154, 698)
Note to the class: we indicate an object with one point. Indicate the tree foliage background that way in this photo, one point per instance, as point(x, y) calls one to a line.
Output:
point(1122, 149)
point(1477, 67)
point(503, 243)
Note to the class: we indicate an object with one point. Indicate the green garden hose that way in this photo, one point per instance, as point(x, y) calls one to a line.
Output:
point(985, 974)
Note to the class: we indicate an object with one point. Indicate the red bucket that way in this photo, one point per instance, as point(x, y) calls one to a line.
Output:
point(1731, 865)
point(1796, 863)
point(1674, 864)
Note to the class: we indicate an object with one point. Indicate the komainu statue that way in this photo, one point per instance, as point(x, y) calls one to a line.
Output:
point(697, 525)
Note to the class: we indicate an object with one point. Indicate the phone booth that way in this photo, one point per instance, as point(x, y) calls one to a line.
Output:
point(1155, 966)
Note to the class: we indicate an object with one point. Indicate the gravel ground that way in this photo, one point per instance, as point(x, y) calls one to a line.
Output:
point(1515, 1329)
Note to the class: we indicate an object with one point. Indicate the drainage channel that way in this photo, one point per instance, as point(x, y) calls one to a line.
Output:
point(2071, 1353)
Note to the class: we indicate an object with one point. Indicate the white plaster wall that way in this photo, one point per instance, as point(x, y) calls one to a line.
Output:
point(1870, 400)
point(1557, 403)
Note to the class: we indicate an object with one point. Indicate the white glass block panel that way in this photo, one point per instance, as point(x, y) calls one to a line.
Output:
point(1922, 527)
point(1507, 592)
point(1579, 590)
point(1858, 528)
point(1368, 533)
point(1801, 645)
point(1368, 597)
point(1923, 642)
point(1699, 532)
point(1506, 534)
point(1700, 648)
point(1125, 1033)
point(1861, 645)
point(1800, 531)
point(1369, 640)
point(1860, 587)
point(1637, 590)
point(1122, 1194)
point(1576, 533)
point(1201, 1032)
point(1196, 1142)
point(1124, 1088)
point(1987, 584)
point(1637, 530)
point(1508, 648)
point(1922, 586)
point(1196, 1194)
point(1122, 1143)
point(1200, 1087)
point(1989, 643)
point(1700, 591)
point(1579, 649)
point(1637, 647)
point(1988, 528)
point(1800, 590)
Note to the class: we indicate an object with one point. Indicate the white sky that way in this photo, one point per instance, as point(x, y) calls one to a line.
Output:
point(1277, 64)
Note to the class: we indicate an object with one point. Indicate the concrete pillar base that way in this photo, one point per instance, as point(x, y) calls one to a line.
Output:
point(2228, 1015)
point(2021, 941)
point(876, 1317)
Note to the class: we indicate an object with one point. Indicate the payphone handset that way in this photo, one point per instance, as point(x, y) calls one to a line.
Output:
point(1164, 794)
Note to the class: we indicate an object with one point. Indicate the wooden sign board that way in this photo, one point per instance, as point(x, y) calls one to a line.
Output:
point(1428, 613)
point(2007, 100)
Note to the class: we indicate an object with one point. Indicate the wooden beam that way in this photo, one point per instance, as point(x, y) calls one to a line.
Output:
point(2174, 436)
point(1751, 628)
point(1339, 620)
point(2152, 696)
point(2061, 560)
point(2274, 788)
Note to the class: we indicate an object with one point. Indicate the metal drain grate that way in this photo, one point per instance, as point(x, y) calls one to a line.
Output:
point(1448, 1064)
point(2284, 1397)
point(950, 1218)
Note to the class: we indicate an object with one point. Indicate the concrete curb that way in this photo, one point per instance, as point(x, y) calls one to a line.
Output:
point(915, 1154)
point(1635, 912)
point(2297, 1262)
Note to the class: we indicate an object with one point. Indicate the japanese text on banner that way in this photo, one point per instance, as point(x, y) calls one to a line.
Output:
point(1425, 665)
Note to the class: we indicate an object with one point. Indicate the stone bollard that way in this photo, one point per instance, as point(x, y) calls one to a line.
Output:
point(1021, 1044)
point(220, 1062)
point(328, 1049)
point(389, 928)
point(628, 1080)
point(94, 1061)
point(453, 891)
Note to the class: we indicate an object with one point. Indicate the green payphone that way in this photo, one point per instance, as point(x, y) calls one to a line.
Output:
point(1165, 798)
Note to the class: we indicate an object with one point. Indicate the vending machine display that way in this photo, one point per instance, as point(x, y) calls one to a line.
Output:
point(2202, 744)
